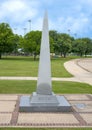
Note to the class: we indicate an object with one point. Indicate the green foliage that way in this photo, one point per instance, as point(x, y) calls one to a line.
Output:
point(88, 44)
point(82, 46)
point(64, 44)
point(14, 40)
point(6, 36)
point(53, 40)
point(32, 42)
point(60, 43)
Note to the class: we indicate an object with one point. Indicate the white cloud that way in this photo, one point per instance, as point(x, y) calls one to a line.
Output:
point(12, 6)
point(77, 25)
point(18, 10)
point(63, 14)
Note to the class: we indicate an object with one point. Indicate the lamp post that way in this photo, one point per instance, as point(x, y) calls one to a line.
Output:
point(29, 25)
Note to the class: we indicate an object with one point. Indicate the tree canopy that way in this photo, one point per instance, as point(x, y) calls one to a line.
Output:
point(6, 36)
point(63, 44)
point(32, 42)
point(60, 43)
point(82, 46)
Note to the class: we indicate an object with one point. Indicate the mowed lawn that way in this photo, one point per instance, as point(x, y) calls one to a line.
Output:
point(27, 87)
point(26, 66)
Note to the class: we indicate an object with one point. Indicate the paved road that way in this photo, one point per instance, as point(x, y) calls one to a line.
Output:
point(80, 68)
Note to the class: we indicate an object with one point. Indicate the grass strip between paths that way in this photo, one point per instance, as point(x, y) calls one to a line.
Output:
point(27, 87)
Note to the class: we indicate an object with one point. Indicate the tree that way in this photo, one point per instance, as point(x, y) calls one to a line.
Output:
point(53, 40)
point(15, 39)
point(79, 47)
point(82, 46)
point(6, 35)
point(64, 44)
point(88, 48)
point(32, 42)
point(22, 43)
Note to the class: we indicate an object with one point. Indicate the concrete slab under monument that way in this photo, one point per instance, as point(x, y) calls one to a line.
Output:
point(44, 100)
point(42, 103)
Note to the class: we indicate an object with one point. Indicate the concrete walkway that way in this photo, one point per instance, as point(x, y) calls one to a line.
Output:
point(80, 68)
point(81, 115)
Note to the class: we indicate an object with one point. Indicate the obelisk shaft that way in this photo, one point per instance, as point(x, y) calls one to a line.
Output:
point(44, 100)
point(44, 86)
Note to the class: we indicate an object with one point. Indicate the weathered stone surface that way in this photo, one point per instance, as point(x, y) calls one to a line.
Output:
point(41, 103)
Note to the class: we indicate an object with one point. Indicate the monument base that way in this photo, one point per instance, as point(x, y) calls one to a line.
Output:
point(44, 103)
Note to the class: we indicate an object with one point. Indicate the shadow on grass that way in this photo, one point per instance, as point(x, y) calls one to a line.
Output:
point(20, 58)
point(31, 58)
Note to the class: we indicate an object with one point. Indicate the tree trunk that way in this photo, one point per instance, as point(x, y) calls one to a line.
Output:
point(64, 55)
point(34, 57)
point(0, 56)
point(80, 54)
point(61, 54)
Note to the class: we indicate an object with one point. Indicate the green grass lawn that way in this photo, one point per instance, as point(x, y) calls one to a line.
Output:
point(26, 66)
point(27, 87)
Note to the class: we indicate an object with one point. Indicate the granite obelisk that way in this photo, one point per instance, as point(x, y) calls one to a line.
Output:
point(44, 100)
point(44, 74)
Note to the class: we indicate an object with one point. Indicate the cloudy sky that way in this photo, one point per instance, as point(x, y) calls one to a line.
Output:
point(65, 16)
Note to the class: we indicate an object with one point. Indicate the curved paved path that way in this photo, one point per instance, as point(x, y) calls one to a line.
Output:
point(80, 68)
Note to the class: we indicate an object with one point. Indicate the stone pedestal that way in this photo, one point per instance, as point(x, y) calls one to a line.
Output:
point(44, 103)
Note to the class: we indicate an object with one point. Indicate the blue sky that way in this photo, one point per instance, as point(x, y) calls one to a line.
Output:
point(64, 15)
